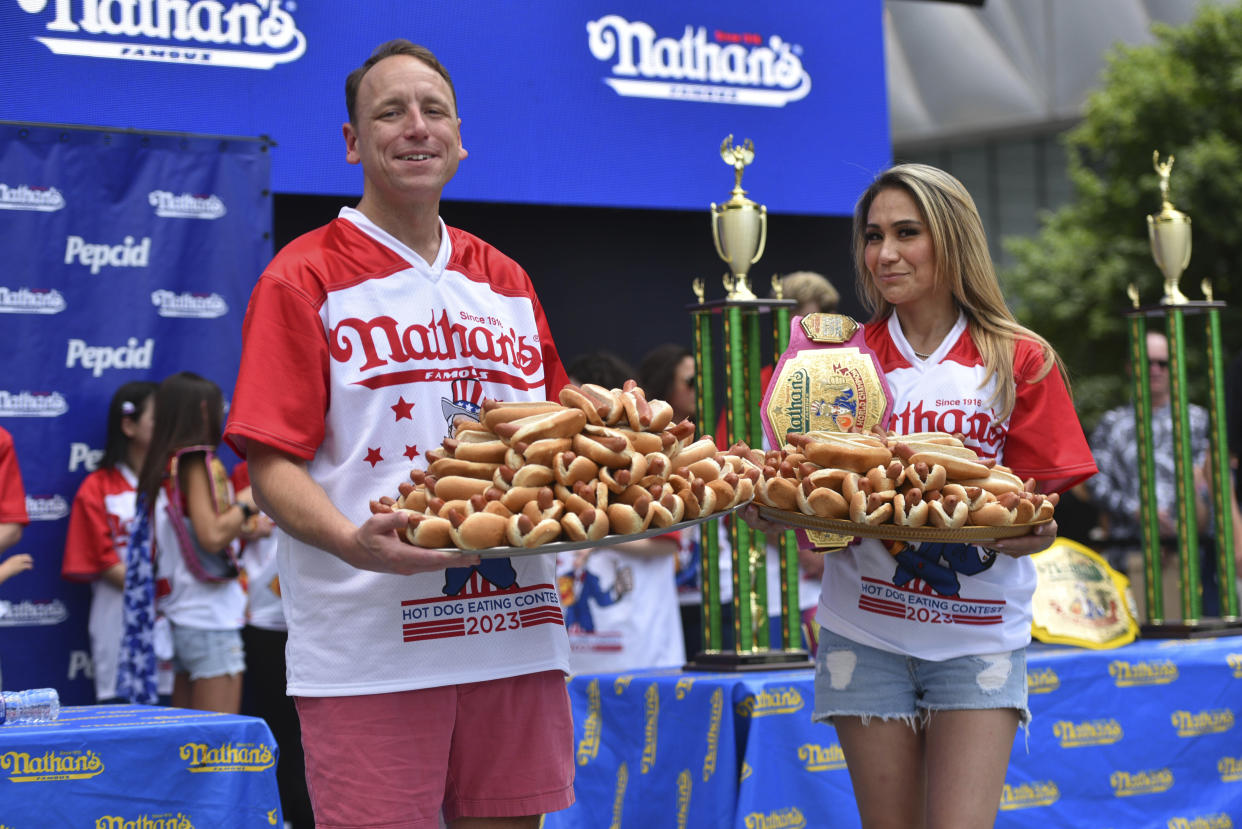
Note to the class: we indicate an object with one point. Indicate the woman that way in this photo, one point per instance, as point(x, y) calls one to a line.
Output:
point(182, 476)
point(926, 710)
point(99, 526)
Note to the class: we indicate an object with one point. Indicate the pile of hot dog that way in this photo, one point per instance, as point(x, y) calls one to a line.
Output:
point(926, 479)
point(601, 462)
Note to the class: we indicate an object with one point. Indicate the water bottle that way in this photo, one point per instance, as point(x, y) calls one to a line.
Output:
point(34, 706)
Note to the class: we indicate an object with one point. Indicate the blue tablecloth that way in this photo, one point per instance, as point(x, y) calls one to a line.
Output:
point(122, 766)
point(1140, 736)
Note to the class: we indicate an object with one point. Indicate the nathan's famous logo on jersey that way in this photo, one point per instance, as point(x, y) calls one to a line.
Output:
point(31, 301)
point(227, 756)
point(23, 767)
point(1129, 674)
point(723, 68)
point(685, 788)
point(1230, 769)
point(1215, 721)
point(189, 306)
point(711, 757)
point(977, 428)
point(186, 205)
point(130, 253)
point(32, 612)
point(815, 757)
point(160, 821)
point(248, 34)
point(788, 818)
point(1042, 681)
point(591, 726)
point(1130, 783)
point(100, 358)
point(25, 197)
point(651, 730)
point(383, 341)
point(1090, 733)
point(46, 507)
point(32, 404)
point(1216, 821)
point(1029, 795)
point(771, 701)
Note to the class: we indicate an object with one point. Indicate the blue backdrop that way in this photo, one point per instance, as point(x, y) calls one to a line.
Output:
point(128, 256)
point(622, 103)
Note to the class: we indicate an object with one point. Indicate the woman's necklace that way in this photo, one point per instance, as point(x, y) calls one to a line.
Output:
point(920, 354)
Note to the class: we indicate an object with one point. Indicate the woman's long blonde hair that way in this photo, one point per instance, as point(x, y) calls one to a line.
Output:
point(962, 260)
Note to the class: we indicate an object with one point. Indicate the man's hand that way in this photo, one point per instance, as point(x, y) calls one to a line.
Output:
point(376, 547)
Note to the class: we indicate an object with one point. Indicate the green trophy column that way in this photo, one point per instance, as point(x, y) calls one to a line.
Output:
point(1183, 464)
point(740, 534)
point(1149, 523)
point(709, 547)
point(790, 611)
point(1222, 485)
point(757, 552)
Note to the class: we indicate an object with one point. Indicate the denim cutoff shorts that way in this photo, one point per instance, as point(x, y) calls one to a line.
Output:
point(861, 681)
point(204, 654)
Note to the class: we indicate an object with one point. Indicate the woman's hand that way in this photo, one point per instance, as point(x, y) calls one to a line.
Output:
point(1024, 545)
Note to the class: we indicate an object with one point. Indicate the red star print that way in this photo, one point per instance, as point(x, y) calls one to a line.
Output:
point(403, 409)
point(373, 456)
point(411, 452)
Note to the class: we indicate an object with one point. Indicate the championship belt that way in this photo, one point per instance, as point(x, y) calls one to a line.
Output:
point(827, 380)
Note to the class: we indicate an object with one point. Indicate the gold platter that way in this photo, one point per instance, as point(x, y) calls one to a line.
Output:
point(895, 532)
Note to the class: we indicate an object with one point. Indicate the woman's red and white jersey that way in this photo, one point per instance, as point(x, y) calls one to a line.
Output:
point(940, 601)
point(359, 357)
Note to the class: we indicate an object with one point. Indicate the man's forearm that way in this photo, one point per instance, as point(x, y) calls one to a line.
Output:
point(284, 489)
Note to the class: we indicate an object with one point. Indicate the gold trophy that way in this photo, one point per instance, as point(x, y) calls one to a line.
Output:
point(739, 226)
point(1169, 232)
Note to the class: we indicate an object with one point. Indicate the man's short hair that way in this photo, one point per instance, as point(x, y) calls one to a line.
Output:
point(399, 46)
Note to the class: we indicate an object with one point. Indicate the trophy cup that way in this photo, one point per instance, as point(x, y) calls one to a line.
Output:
point(739, 226)
point(1169, 232)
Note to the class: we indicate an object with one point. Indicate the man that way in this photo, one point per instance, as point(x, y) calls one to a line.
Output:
point(1115, 489)
point(423, 688)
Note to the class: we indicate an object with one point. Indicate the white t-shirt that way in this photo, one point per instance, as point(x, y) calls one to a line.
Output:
point(263, 606)
point(192, 603)
point(373, 351)
point(941, 601)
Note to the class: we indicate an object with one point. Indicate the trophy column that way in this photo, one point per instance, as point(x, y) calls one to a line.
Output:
point(739, 229)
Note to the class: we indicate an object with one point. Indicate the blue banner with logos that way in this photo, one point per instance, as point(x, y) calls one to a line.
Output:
point(615, 103)
point(129, 256)
point(1144, 735)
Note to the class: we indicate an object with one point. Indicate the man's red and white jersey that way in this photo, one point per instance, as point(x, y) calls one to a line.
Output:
point(940, 601)
point(359, 356)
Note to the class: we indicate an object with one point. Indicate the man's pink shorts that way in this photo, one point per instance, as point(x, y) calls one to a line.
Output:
point(502, 748)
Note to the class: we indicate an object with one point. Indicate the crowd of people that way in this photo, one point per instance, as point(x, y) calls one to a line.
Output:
point(280, 574)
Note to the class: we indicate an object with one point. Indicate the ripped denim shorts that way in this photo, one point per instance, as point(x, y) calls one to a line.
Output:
point(857, 680)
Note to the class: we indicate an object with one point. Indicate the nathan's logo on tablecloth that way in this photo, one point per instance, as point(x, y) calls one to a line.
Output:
point(621, 683)
point(720, 68)
point(1089, 733)
point(248, 35)
point(202, 757)
point(46, 507)
point(618, 795)
point(31, 301)
point(1216, 821)
point(31, 612)
point(1215, 721)
point(685, 788)
point(651, 732)
point(1043, 681)
point(591, 726)
point(1129, 674)
point(790, 818)
point(713, 735)
point(100, 358)
point(683, 686)
point(186, 205)
point(189, 306)
point(128, 253)
point(1230, 769)
point(815, 757)
point(1029, 795)
point(23, 767)
point(771, 701)
point(1130, 783)
point(25, 197)
point(32, 404)
point(1235, 663)
point(163, 820)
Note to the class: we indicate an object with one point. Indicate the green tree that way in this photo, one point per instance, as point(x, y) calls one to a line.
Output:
point(1182, 96)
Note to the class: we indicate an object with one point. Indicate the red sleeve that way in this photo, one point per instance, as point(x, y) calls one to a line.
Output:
point(90, 547)
point(12, 493)
point(554, 375)
point(1045, 440)
point(281, 395)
